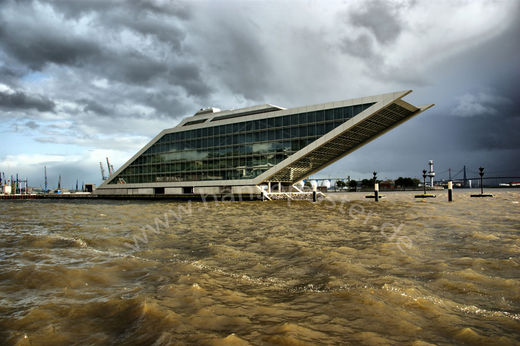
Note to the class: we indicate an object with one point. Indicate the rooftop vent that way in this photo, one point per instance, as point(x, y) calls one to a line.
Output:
point(207, 111)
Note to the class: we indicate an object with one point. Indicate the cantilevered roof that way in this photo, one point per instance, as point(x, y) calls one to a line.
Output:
point(388, 112)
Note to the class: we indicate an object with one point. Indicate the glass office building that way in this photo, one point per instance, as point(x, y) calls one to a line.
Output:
point(236, 151)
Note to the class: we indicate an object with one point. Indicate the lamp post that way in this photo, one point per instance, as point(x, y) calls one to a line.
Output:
point(481, 173)
point(424, 180)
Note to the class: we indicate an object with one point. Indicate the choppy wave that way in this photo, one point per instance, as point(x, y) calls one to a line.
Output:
point(342, 271)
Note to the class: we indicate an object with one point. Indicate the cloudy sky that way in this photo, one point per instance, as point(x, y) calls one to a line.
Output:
point(85, 79)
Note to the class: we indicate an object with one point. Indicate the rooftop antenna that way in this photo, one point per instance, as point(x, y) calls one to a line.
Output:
point(102, 171)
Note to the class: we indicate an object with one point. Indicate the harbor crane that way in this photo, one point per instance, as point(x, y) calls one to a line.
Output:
point(110, 168)
point(102, 171)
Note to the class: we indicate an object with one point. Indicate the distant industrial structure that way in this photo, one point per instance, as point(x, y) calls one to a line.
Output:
point(431, 173)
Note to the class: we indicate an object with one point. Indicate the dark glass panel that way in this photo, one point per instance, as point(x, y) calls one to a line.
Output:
point(294, 119)
point(320, 129)
point(320, 116)
point(329, 127)
point(311, 130)
point(329, 114)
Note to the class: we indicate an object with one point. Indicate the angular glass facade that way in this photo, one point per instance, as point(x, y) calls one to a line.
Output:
point(241, 150)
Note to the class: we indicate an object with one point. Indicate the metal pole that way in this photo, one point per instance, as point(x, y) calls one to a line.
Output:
point(45, 173)
point(450, 191)
point(376, 188)
point(481, 173)
point(424, 180)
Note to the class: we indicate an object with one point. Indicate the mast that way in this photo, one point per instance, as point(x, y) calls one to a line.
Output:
point(46, 183)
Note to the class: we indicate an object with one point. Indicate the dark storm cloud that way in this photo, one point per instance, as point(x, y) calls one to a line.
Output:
point(43, 41)
point(144, 17)
point(189, 76)
point(143, 65)
point(480, 104)
point(18, 100)
point(32, 125)
point(381, 24)
point(238, 57)
point(94, 107)
point(167, 103)
point(379, 17)
point(78, 8)
point(361, 46)
point(39, 43)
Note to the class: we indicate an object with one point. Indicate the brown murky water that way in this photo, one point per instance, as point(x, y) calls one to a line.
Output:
point(334, 272)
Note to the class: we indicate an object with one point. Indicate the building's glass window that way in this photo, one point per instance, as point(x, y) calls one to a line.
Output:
point(242, 150)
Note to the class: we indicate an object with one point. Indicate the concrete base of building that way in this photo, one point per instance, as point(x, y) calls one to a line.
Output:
point(205, 193)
